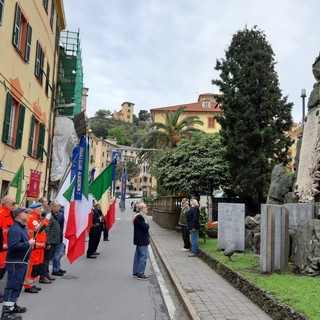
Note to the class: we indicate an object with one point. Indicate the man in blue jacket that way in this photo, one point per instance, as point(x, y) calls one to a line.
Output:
point(19, 250)
point(141, 240)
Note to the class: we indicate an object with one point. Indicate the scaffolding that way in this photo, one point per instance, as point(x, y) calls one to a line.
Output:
point(70, 75)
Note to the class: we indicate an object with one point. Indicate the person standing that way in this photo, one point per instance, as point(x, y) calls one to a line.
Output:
point(193, 216)
point(59, 248)
point(95, 233)
point(37, 230)
point(183, 223)
point(103, 225)
point(6, 221)
point(53, 236)
point(19, 250)
point(141, 240)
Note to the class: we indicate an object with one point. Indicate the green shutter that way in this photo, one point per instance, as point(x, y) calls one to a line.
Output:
point(6, 123)
point(28, 44)
point(42, 133)
point(22, 111)
point(16, 26)
point(30, 147)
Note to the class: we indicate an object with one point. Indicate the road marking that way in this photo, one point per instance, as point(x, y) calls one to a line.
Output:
point(165, 292)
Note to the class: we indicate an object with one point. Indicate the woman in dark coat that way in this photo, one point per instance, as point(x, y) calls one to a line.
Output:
point(193, 216)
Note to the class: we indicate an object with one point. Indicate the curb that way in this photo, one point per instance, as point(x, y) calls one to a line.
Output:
point(174, 279)
point(275, 309)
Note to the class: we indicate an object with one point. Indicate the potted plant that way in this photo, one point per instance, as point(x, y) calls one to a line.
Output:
point(211, 228)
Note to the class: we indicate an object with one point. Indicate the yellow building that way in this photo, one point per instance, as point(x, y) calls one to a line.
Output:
point(29, 47)
point(206, 109)
point(126, 112)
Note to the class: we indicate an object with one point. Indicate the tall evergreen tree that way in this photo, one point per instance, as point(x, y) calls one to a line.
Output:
point(255, 114)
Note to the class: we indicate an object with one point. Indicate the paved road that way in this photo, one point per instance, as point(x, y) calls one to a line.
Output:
point(100, 289)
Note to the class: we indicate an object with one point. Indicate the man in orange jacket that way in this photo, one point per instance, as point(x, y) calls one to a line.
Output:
point(37, 230)
point(6, 221)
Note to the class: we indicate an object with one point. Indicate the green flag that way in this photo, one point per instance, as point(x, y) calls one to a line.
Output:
point(103, 182)
point(17, 183)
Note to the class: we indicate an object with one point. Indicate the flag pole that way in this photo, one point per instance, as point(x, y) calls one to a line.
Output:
point(9, 185)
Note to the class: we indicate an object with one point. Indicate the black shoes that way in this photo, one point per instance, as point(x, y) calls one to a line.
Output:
point(44, 280)
point(62, 271)
point(143, 277)
point(31, 290)
point(134, 275)
point(96, 253)
point(91, 257)
point(10, 316)
point(18, 309)
point(57, 273)
point(37, 288)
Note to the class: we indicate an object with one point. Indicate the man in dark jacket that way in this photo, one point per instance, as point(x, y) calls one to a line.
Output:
point(95, 233)
point(141, 240)
point(19, 250)
point(193, 216)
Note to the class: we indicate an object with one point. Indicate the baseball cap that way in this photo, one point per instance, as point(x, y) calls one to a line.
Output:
point(18, 210)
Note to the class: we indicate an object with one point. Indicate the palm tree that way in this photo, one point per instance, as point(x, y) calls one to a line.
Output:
point(168, 134)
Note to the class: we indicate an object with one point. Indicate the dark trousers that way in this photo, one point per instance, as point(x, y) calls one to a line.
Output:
point(186, 237)
point(16, 274)
point(104, 230)
point(44, 266)
point(94, 239)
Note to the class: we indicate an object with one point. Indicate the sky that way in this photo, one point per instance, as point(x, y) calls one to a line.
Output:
point(158, 53)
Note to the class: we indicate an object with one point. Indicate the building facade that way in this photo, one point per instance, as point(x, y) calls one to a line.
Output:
point(29, 55)
point(206, 108)
point(126, 112)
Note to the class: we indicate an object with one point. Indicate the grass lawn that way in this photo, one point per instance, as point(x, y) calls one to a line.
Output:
point(299, 292)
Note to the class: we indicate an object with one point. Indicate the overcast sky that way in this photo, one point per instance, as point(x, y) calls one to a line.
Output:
point(158, 53)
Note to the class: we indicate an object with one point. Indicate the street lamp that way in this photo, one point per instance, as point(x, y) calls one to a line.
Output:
point(303, 96)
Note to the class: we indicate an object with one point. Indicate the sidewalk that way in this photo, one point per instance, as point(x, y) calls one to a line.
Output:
point(205, 294)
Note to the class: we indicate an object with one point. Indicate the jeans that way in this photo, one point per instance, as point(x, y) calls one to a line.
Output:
point(140, 260)
point(194, 241)
point(57, 254)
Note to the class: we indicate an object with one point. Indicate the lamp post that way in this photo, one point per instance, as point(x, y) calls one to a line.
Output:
point(303, 96)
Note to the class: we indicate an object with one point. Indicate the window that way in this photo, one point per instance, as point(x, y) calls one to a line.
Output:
point(13, 122)
point(211, 122)
point(128, 116)
point(103, 154)
point(206, 104)
point(52, 14)
point(38, 68)
point(1, 10)
point(36, 139)
point(45, 4)
point(22, 33)
point(57, 38)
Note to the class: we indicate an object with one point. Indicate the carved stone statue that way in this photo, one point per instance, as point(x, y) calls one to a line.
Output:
point(314, 99)
point(281, 184)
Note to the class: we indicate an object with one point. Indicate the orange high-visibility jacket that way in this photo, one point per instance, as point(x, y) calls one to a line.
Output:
point(6, 221)
point(34, 224)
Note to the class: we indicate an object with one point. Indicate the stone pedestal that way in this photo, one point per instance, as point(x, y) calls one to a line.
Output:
point(274, 245)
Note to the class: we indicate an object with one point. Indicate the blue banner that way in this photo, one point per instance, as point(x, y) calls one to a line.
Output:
point(116, 155)
point(123, 189)
point(74, 159)
point(79, 169)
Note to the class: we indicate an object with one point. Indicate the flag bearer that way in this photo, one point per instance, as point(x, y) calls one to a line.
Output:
point(37, 230)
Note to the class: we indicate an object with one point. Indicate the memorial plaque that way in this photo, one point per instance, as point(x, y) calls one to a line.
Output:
point(231, 224)
point(298, 212)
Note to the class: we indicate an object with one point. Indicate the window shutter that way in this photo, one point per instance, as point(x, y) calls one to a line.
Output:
point(37, 64)
point(22, 111)
point(28, 44)
point(16, 26)
point(6, 124)
point(30, 147)
point(41, 141)
point(1, 10)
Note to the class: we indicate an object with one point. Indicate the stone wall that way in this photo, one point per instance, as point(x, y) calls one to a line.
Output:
point(165, 219)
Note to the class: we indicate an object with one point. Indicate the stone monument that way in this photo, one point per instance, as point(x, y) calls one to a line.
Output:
point(308, 177)
point(231, 226)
